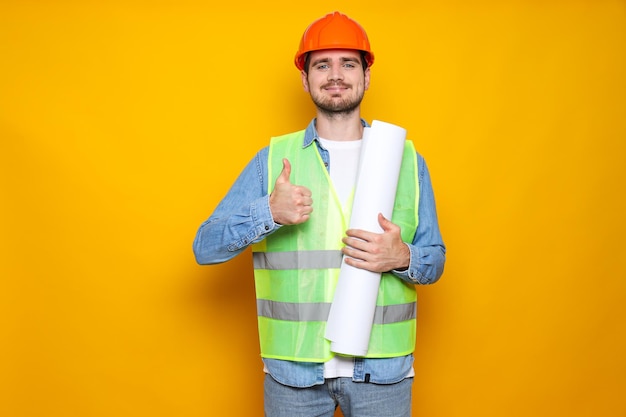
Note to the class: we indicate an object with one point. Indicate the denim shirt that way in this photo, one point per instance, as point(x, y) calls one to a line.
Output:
point(243, 217)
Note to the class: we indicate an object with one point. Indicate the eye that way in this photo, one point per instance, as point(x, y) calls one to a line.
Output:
point(349, 65)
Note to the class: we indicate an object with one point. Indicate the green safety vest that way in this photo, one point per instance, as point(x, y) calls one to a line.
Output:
point(297, 267)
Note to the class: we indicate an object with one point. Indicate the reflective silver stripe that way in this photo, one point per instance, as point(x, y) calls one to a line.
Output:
point(395, 313)
point(293, 311)
point(310, 259)
point(319, 311)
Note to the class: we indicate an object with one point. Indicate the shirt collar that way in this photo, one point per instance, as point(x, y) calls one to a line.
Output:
point(310, 134)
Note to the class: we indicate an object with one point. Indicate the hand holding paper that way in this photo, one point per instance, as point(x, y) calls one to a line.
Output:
point(376, 252)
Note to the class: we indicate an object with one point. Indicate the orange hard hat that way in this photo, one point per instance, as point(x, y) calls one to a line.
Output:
point(333, 31)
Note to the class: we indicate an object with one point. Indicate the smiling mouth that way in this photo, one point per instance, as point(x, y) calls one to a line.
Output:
point(335, 87)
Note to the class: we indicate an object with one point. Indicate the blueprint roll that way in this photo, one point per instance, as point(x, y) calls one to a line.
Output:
point(351, 314)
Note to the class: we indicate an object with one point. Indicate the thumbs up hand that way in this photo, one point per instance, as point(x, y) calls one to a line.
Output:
point(289, 203)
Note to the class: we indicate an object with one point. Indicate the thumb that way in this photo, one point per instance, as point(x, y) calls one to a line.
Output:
point(285, 173)
point(385, 223)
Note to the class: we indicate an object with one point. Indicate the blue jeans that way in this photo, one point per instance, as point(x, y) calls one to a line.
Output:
point(356, 399)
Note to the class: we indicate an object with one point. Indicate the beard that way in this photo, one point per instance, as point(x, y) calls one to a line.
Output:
point(331, 106)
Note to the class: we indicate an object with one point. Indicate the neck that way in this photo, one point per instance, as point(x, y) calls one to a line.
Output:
point(340, 127)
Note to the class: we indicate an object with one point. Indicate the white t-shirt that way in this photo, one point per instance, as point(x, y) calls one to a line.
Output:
point(344, 164)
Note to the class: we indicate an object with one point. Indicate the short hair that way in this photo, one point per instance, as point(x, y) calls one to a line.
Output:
point(307, 61)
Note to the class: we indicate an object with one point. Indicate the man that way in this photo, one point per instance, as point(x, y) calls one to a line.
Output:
point(271, 207)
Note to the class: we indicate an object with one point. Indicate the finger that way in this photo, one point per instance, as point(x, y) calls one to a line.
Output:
point(306, 201)
point(353, 257)
point(360, 234)
point(285, 173)
point(354, 263)
point(304, 191)
point(355, 243)
point(385, 223)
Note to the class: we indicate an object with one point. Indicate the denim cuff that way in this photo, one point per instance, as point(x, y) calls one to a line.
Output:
point(262, 217)
point(409, 274)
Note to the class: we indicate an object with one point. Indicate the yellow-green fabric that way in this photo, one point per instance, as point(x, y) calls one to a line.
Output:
point(297, 267)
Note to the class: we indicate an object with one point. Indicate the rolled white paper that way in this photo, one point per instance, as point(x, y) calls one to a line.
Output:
point(351, 314)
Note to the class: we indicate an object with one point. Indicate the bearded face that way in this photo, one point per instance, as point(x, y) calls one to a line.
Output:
point(336, 81)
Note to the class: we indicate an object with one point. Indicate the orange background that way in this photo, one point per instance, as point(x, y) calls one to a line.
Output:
point(123, 123)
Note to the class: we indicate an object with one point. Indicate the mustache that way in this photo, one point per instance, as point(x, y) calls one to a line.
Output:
point(337, 84)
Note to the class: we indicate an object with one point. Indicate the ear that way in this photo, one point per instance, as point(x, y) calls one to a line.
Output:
point(366, 76)
point(305, 80)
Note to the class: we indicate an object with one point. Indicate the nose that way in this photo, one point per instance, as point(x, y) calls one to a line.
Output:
point(335, 73)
